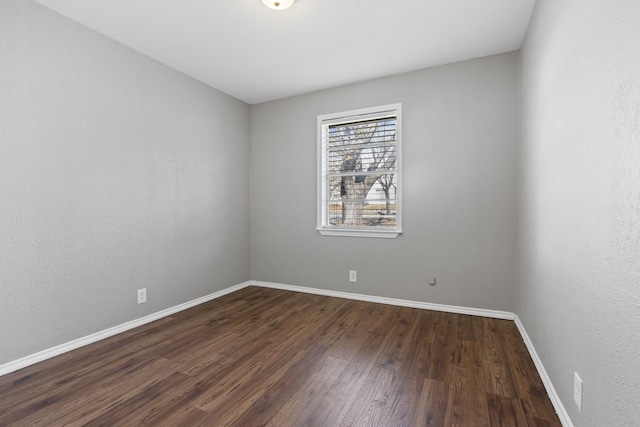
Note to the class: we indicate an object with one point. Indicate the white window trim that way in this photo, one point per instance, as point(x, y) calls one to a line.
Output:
point(347, 116)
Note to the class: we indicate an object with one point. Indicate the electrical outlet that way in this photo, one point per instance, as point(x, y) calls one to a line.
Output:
point(142, 296)
point(432, 281)
point(353, 276)
point(577, 390)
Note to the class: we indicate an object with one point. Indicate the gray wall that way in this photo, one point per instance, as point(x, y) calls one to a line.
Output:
point(459, 153)
point(116, 173)
point(579, 203)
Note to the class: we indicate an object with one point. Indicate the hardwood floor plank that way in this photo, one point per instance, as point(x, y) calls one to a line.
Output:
point(434, 406)
point(442, 357)
point(403, 401)
point(351, 330)
point(51, 396)
point(368, 319)
point(372, 399)
point(397, 348)
point(468, 355)
point(332, 408)
point(468, 392)
point(498, 378)
point(404, 409)
point(297, 409)
point(130, 407)
point(470, 328)
point(239, 380)
point(537, 422)
point(71, 408)
point(242, 380)
point(505, 411)
point(280, 392)
point(468, 399)
point(269, 357)
point(174, 416)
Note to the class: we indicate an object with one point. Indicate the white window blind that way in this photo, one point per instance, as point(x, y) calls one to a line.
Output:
point(359, 172)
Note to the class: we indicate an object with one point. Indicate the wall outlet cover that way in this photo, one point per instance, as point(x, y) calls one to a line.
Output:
point(142, 295)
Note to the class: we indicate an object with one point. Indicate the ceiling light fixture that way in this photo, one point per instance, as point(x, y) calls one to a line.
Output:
point(278, 4)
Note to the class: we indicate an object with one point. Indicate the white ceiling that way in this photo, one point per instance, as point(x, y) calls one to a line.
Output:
point(257, 54)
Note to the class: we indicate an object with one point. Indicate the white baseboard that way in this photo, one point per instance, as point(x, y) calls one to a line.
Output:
point(391, 301)
point(72, 345)
point(89, 339)
point(551, 391)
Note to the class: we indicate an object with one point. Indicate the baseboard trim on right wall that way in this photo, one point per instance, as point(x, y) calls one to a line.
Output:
point(548, 385)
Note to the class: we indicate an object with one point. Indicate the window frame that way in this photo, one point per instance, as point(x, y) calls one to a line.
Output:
point(361, 114)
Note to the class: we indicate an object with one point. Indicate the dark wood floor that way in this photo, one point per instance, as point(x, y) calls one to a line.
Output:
point(268, 357)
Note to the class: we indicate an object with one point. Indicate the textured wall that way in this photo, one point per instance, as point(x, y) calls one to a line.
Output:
point(116, 173)
point(579, 203)
point(459, 195)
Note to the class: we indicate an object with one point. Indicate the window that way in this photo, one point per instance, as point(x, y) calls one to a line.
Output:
point(359, 172)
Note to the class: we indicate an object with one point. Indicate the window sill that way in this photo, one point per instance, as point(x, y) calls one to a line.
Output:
point(380, 234)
